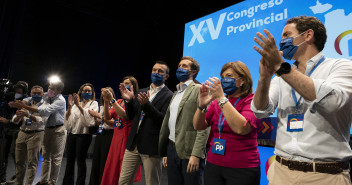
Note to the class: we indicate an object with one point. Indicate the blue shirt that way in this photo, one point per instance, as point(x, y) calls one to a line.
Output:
point(55, 110)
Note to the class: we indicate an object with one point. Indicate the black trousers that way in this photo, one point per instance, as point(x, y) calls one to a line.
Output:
point(7, 138)
point(177, 170)
point(219, 175)
point(100, 153)
point(76, 149)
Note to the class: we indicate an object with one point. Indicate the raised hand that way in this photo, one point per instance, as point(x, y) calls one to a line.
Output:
point(143, 97)
point(94, 114)
point(70, 100)
point(215, 87)
point(76, 98)
point(125, 93)
point(203, 97)
point(107, 95)
point(17, 104)
point(270, 52)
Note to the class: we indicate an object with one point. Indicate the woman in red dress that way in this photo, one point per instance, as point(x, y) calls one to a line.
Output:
point(122, 129)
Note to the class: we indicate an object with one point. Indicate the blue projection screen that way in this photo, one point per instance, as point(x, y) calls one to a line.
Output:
point(227, 35)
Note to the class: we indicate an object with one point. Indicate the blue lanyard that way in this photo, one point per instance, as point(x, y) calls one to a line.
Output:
point(102, 116)
point(221, 123)
point(142, 113)
point(310, 73)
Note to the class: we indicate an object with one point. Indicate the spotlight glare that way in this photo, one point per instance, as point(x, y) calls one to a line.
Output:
point(54, 79)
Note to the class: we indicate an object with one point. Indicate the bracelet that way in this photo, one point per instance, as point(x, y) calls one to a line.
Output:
point(112, 101)
point(203, 110)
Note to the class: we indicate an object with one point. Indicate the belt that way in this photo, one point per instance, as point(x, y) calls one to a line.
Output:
point(171, 143)
point(321, 167)
point(55, 126)
point(31, 131)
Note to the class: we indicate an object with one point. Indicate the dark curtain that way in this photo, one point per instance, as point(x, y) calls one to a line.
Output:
point(11, 16)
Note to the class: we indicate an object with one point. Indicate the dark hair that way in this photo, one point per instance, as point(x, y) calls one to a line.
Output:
point(133, 81)
point(242, 70)
point(59, 85)
point(304, 23)
point(81, 89)
point(112, 92)
point(164, 63)
point(194, 65)
point(22, 85)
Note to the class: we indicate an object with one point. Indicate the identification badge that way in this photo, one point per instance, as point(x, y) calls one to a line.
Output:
point(219, 146)
point(118, 123)
point(100, 129)
point(295, 123)
point(28, 122)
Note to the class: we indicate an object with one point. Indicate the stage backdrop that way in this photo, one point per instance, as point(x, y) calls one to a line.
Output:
point(227, 35)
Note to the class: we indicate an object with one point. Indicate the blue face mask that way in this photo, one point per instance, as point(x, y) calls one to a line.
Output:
point(37, 98)
point(287, 47)
point(128, 87)
point(86, 96)
point(157, 79)
point(228, 85)
point(182, 74)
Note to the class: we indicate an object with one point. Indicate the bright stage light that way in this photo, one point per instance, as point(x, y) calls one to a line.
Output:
point(54, 79)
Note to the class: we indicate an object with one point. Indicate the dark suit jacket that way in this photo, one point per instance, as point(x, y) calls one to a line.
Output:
point(147, 139)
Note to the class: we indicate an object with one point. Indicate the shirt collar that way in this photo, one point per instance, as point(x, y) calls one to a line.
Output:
point(184, 85)
point(310, 63)
point(156, 89)
point(313, 62)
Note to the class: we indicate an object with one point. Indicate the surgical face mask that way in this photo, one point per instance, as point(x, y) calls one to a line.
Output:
point(182, 74)
point(18, 96)
point(128, 87)
point(37, 98)
point(50, 93)
point(229, 85)
point(157, 79)
point(287, 47)
point(86, 96)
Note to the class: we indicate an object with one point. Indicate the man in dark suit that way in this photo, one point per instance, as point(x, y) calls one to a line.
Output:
point(147, 111)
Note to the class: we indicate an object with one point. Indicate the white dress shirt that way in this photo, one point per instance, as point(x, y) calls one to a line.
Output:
point(40, 122)
point(78, 123)
point(174, 106)
point(327, 119)
point(152, 93)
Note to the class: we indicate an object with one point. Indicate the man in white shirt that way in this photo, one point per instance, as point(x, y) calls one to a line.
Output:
point(314, 101)
point(30, 137)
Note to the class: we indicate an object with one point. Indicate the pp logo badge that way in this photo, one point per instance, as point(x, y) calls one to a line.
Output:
point(219, 146)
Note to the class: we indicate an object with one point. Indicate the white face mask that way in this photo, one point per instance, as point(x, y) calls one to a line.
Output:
point(18, 95)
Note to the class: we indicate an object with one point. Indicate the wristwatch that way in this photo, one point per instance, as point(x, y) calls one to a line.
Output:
point(112, 101)
point(284, 69)
point(203, 110)
point(222, 101)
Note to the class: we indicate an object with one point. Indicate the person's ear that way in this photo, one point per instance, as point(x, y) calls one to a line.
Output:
point(167, 76)
point(310, 36)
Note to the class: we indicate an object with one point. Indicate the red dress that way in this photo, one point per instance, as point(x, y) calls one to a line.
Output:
point(113, 163)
